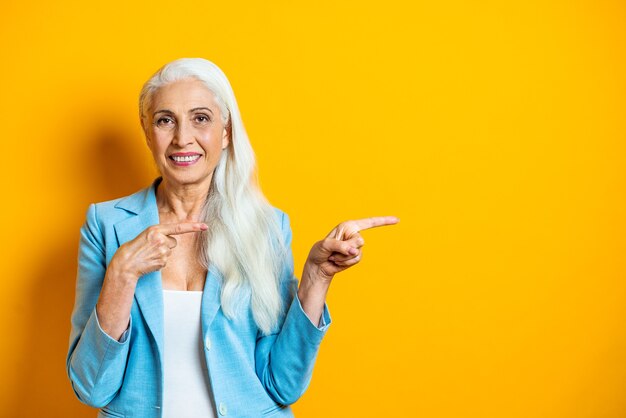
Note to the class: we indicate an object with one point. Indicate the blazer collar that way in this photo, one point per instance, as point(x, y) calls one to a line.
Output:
point(141, 201)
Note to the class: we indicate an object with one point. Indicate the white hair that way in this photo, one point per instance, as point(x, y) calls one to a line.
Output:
point(243, 241)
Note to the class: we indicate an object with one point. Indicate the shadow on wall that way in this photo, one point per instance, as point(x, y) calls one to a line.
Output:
point(43, 388)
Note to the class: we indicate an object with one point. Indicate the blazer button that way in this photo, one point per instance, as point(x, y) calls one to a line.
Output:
point(222, 409)
point(207, 343)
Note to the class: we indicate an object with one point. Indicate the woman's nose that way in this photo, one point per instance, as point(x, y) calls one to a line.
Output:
point(183, 135)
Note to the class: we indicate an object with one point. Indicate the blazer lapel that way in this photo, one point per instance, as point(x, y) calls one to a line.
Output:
point(210, 297)
point(149, 290)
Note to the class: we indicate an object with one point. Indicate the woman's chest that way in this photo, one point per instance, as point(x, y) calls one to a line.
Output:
point(183, 270)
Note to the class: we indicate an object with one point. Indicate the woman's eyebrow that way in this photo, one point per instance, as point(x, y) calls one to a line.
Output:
point(195, 109)
point(163, 111)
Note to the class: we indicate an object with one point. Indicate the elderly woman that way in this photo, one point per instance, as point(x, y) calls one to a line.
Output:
point(186, 301)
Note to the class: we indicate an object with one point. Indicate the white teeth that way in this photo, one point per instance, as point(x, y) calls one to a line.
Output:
point(185, 159)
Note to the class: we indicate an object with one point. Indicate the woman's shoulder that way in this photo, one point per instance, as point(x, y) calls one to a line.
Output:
point(132, 201)
point(282, 219)
point(280, 215)
point(283, 223)
point(122, 207)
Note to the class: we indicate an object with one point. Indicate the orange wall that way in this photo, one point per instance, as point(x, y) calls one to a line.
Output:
point(494, 130)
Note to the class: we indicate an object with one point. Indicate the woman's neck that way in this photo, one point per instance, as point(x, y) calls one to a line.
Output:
point(181, 202)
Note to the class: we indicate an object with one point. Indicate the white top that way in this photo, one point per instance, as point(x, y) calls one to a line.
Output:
point(187, 390)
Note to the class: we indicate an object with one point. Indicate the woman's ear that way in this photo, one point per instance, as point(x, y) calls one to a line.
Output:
point(226, 135)
point(145, 131)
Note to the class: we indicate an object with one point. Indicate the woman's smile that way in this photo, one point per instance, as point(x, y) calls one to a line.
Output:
point(184, 158)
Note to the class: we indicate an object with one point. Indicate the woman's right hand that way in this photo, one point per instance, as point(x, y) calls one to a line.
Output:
point(150, 250)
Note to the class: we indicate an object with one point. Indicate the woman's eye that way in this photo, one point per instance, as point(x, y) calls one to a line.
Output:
point(164, 121)
point(202, 118)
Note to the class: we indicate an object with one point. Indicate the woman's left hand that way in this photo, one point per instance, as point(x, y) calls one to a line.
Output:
point(335, 253)
point(342, 246)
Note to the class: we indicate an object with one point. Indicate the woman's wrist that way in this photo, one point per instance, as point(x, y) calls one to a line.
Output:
point(314, 280)
point(312, 291)
point(121, 274)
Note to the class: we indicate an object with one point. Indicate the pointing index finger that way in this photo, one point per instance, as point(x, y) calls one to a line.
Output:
point(182, 228)
point(375, 221)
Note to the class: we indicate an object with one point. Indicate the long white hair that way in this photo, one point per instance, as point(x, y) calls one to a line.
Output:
point(244, 240)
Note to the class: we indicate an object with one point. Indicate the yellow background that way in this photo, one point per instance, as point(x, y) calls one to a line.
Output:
point(494, 129)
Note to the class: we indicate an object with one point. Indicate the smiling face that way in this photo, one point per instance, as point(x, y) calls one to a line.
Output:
point(185, 132)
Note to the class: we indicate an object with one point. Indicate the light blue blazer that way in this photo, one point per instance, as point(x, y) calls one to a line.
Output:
point(252, 375)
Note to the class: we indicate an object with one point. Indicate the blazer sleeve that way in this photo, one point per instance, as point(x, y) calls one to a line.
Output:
point(285, 359)
point(95, 362)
